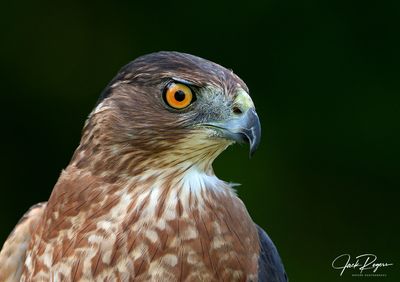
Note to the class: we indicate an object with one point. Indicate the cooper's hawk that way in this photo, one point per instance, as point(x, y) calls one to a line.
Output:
point(139, 199)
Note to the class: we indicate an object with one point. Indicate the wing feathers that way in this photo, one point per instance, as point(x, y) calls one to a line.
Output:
point(270, 267)
point(12, 255)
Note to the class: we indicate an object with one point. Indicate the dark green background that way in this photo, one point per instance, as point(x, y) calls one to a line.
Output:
point(324, 77)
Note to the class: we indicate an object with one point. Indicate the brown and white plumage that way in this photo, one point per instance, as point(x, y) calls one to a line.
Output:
point(13, 253)
point(139, 200)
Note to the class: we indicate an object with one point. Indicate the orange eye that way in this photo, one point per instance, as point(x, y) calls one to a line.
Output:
point(178, 95)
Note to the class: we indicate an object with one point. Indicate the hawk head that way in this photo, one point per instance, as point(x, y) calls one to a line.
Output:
point(168, 109)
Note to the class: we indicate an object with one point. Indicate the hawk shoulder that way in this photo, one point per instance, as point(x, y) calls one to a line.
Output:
point(13, 253)
point(270, 267)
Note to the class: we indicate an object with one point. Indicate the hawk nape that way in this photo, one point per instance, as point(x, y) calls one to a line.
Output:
point(139, 199)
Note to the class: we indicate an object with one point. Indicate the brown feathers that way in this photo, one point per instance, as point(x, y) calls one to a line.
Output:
point(139, 200)
point(144, 232)
point(13, 253)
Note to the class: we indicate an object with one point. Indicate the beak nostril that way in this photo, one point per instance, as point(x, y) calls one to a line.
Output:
point(237, 111)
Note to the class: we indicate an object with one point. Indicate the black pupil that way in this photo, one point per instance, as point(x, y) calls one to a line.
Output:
point(179, 95)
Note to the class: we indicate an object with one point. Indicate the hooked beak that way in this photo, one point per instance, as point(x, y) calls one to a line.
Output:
point(243, 128)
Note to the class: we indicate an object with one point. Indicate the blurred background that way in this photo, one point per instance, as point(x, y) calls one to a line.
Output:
point(324, 77)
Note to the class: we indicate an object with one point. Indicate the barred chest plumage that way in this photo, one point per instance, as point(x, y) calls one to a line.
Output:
point(174, 225)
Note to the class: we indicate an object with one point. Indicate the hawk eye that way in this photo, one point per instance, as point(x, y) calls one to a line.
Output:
point(178, 95)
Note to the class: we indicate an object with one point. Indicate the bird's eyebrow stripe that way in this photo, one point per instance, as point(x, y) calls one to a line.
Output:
point(184, 81)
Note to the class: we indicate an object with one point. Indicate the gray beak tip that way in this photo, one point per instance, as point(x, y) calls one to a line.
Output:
point(253, 132)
